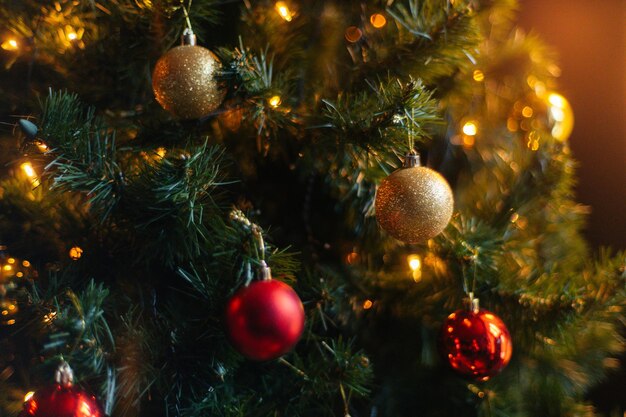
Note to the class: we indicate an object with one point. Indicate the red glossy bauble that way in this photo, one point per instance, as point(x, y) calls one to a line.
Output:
point(476, 344)
point(265, 319)
point(59, 401)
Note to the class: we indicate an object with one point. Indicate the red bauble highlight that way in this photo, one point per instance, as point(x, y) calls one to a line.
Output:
point(58, 401)
point(265, 319)
point(476, 344)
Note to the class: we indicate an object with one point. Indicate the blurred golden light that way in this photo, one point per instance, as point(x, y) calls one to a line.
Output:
point(7, 267)
point(414, 261)
point(353, 34)
point(161, 152)
point(72, 36)
point(533, 140)
point(511, 124)
point(10, 322)
point(49, 318)
point(378, 20)
point(478, 75)
point(527, 111)
point(10, 45)
point(28, 169)
point(556, 100)
point(75, 253)
point(470, 128)
point(468, 141)
point(5, 312)
point(19, 274)
point(274, 101)
point(26, 264)
point(41, 146)
point(29, 395)
point(352, 257)
point(11, 260)
point(560, 111)
point(367, 304)
point(283, 10)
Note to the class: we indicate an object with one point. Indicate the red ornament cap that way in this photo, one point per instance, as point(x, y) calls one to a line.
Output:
point(265, 319)
point(475, 343)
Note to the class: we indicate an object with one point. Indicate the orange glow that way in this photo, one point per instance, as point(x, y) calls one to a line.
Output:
point(353, 34)
point(352, 257)
point(7, 267)
point(415, 262)
point(84, 410)
point(367, 304)
point(560, 111)
point(378, 20)
point(468, 141)
point(75, 253)
point(10, 45)
point(274, 101)
point(29, 395)
point(470, 128)
point(28, 169)
point(26, 264)
point(478, 75)
point(42, 146)
point(527, 111)
point(283, 10)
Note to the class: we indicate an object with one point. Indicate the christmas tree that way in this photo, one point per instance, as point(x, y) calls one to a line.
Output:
point(309, 208)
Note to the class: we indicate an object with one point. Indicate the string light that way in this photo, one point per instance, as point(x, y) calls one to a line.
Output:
point(29, 395)
point(353, 34)
point(470, 128)
point(283, 11)
point(561, 112)
point(527, 111)
point(10, 45)
point(414, 261)
point(367, 304)
point(378, 20)
point(75, 253)
point(478, 75)
point(468, 141)
point(415, 264)
point(352, 257)
point(274, 101)
point(28, 169)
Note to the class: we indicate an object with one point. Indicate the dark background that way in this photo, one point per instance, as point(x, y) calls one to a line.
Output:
point(590, 38)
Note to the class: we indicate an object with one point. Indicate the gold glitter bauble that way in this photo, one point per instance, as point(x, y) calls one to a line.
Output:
point(414, 204)
point(184, 82)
